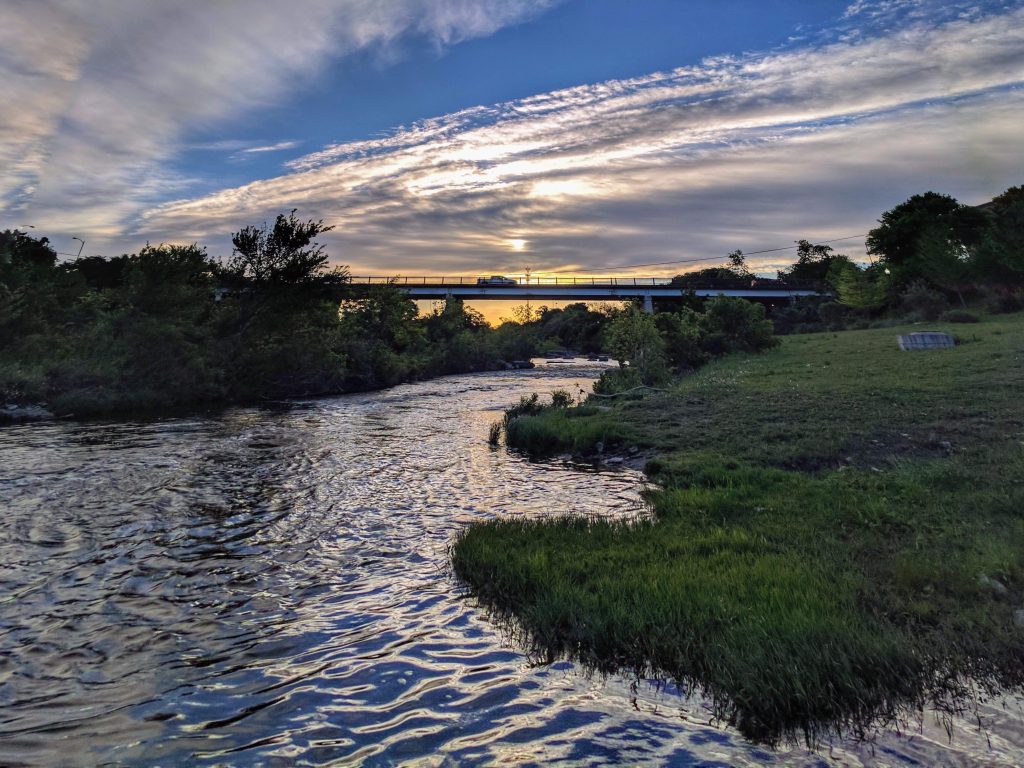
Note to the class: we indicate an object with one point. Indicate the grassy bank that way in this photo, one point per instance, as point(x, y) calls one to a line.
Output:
point(839, 536)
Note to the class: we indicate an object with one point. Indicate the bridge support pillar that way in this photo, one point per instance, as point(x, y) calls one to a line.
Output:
point(648, 305)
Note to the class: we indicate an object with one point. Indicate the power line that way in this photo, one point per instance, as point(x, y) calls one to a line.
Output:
point(710, 258)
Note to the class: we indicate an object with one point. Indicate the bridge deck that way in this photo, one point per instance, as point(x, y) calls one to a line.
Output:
point(588, 288)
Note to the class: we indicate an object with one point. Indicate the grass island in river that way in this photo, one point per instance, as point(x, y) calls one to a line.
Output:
point(837, 537)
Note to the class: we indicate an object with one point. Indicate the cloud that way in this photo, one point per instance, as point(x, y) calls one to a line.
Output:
point(747, 152)
point(107, 89)
point(277, 147)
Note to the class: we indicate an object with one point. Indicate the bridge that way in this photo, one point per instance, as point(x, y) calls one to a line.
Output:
point(646, 289)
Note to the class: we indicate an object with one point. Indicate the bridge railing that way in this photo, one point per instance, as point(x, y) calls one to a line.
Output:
point(485, 281)
point(636, 282)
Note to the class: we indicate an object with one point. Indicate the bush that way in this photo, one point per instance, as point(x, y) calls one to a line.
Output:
point(560, 398)
point(617, 380)
point(922, 303)
point(1003, 302)
point(800, 316)
point(527, 406)
point(682, 336)
point(959, 316)
point(633, 337)
point(738, 325)
point(833, 314)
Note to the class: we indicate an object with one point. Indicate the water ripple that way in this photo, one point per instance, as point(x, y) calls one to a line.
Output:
point(269, 586)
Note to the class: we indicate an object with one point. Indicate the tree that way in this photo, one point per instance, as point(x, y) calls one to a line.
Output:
point(859, 288)
point(738, 264)
point(284, 254)
point(736, 325)
point(999, 257)
point(681, 334)
point(633, 339)
point(813, 262)
point(947, 262)
point(20, 250)
point(899, 239)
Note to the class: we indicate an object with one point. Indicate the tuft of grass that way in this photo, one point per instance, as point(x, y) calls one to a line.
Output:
point(837, 539)
point(494, 434)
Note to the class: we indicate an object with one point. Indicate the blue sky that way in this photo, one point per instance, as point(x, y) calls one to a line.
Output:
point(473, 136)
point(581, 41)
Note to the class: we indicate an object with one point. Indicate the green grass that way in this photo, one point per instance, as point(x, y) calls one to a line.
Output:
point(815, 559)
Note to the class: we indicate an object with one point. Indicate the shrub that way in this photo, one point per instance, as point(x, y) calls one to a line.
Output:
point(922, 303)
point(1002, 302)
point(833, 314)
point(682, 336)
point(617, 380)
point(959, 316)
point(800, 316)
point(560, 398)
point(527, 406)
point(741, 325)
point(633, 337)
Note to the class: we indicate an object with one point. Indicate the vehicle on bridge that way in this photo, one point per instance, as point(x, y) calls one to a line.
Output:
point(496, 280)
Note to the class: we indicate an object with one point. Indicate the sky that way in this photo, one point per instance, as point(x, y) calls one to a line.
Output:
point(471, 137)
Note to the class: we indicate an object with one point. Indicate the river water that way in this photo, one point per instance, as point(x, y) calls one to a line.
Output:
point(270, 587)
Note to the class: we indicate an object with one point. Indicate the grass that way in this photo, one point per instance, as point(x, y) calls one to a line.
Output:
point(838, 537)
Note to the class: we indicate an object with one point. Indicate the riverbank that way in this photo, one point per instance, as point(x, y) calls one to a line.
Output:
point(837, 539)
point(101, 405)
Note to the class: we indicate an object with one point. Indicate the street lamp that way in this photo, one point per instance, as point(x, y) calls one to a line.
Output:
point(79, 247)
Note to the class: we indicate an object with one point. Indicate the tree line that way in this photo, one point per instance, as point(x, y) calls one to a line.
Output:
point(931, 256)
point(172, 326)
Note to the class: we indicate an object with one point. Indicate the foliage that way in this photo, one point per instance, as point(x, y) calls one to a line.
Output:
point(169, 326)
point(618, 380)
point(999, 257)
point(922, 233)
point(282, 254)
point(681, 333)
point(527, 406)
point(861, 288)
point(922, 303)
point(738, 264)
point(709, 274)
point(736, 325)
point(561, 398)
point(959, 316)
point(576, 326)
point(633, 339)
point(813, 262)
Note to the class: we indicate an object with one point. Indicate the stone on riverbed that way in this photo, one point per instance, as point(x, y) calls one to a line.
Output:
point(996, 586)
point(14, 412)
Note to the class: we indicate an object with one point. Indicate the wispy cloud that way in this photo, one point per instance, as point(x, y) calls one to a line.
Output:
point(276, 147)
point(740, 151)
point(737, 152)
point(105, 90)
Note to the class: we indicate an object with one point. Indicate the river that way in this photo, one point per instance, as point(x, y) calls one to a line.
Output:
point(269, 586)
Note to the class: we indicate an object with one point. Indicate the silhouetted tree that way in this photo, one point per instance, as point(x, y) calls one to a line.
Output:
point(283, 254)
point(899, 241)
